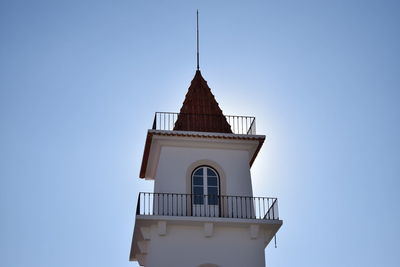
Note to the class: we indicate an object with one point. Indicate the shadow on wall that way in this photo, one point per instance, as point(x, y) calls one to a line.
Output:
point(208, 265)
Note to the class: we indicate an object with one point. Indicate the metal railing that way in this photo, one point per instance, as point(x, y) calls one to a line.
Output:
point(239, 124)
point(239, 207)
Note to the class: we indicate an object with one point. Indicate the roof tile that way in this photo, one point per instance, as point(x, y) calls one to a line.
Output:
point(200, 111)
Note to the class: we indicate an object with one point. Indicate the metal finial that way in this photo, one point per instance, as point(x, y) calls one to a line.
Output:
point(198, 65)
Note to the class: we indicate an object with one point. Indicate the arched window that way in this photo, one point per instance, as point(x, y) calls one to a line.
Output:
point(205, 186)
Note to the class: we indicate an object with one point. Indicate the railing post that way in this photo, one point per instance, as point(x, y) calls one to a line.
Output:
point(252, 129)
point(154, 121)
point(151, 195)
point(167, 204)
point(144, 203)
point(220, 206)
point(138, 205)
point(190, 205)
point(273, 210)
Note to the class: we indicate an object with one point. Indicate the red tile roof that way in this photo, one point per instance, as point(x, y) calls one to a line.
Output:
point(200, 111)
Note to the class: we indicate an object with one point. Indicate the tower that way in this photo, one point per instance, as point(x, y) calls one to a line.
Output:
point(202, 212)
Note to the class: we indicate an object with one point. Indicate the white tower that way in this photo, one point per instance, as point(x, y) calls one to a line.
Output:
point(202, 212)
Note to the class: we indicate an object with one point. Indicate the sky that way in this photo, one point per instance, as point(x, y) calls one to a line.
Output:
point(80, 82)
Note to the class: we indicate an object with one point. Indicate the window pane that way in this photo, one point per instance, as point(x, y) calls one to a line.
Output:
point(211, 190)
point(198, 190)
point(197, 180)
point(199, 172)
point(198, 195)
point(198, 200)
point(210, 172)
point(212, 199)
point(213, 181)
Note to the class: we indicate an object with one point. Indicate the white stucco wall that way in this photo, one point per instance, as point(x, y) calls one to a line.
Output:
point(172, 171)
point(186, 246)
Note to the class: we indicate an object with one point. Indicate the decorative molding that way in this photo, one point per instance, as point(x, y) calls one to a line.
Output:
point(254, 230)
point(145, 231)
point(141, 258)
point(208, 229)
point(157, 138)
point(162, 228)
point(205, 162)
point(142, 246)
point(268, 235)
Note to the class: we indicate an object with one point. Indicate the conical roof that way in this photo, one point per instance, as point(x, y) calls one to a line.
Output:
point(200, 111)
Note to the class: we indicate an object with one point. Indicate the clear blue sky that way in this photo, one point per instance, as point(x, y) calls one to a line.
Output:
point(80, 82)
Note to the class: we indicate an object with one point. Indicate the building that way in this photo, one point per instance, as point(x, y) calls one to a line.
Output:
point(202, 212)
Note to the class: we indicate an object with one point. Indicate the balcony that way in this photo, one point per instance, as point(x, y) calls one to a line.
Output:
point(159, 216)
point(184, 205)
point(170, 121)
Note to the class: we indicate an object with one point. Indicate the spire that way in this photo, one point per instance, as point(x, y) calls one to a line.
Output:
point(198, 60)
point(200, 111)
